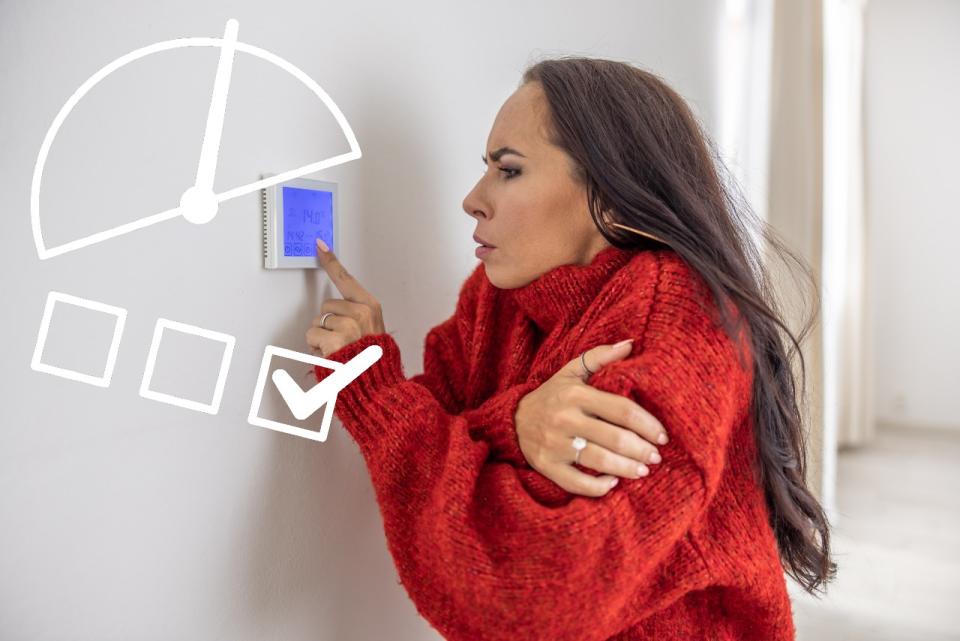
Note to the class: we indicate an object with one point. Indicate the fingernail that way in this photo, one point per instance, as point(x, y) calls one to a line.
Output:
point(642, 470)
point(614, 481)
point(322, 245)
point(622, 343)
point(655, 457)
point(662, 439)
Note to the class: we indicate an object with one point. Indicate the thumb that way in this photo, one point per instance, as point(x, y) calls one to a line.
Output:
point(599, 356)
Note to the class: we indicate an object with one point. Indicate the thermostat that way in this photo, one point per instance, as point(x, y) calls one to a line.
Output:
point(295, 214)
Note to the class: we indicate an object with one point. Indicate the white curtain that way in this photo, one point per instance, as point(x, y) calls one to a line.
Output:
point(770, 133)
point(791, 129)
point(743, 95)
point(848, 340)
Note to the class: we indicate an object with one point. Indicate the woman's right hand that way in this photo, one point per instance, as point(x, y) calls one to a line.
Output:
point(620, 434)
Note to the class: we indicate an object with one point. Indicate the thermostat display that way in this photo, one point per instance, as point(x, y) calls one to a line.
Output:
point(307, 215)
point(295, 214)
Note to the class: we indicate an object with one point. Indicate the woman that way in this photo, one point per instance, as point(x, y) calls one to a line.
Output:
point(496, 469)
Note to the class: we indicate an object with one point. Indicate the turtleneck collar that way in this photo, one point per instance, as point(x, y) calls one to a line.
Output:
point(561, 294)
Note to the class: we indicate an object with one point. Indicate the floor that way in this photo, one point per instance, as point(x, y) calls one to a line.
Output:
point(896, 542)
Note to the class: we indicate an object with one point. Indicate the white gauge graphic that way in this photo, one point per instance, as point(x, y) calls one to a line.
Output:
point(198, 204)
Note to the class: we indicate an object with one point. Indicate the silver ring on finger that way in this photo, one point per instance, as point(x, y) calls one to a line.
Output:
point(583, 362)
point(578, 444)
point(323, 319)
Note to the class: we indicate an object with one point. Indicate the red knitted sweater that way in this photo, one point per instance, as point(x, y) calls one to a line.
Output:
point(490, 549)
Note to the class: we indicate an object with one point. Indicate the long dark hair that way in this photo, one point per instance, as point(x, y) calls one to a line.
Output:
point(647, 163)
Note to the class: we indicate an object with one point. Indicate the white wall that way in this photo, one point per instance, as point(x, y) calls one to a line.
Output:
point(913, 199)
point(125, 518)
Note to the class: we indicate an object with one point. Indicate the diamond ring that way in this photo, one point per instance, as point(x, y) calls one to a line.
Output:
point(578, 444)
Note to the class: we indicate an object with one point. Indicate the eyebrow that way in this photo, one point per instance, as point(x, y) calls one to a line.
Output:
point(496, 155)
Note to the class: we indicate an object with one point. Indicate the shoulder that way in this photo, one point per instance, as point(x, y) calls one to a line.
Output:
point(650, 283)
point(662, 271)
point(665, 303)
point(685, 367)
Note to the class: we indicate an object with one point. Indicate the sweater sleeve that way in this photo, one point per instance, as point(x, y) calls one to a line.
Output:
point(446, 369)
point(483, 558)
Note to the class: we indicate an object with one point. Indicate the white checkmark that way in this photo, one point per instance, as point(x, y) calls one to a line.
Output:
point(304, 403)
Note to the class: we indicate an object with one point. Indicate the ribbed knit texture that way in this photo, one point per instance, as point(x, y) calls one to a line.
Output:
point(489, 549)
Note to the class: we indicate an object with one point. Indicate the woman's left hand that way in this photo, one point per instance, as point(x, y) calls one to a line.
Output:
point(354, 317)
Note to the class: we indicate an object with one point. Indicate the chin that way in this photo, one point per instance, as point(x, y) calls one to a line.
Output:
point(504, 280)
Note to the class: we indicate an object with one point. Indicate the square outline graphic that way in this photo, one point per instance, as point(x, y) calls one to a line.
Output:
point(268, 353)
point(214, 406)
point(54, 297)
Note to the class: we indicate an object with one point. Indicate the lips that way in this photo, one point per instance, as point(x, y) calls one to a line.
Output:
point(482, 241)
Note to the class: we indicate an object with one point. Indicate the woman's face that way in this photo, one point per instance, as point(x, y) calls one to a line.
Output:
point(527, 204)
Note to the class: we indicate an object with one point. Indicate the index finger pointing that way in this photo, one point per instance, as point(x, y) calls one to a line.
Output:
point(348, 286)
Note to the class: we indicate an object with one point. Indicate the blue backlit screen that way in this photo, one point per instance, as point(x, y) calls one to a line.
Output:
point(307, 215)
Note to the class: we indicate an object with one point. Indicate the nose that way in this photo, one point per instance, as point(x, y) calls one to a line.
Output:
point(473, 204)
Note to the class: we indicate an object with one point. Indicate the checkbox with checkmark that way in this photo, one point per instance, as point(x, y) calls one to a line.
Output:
point(302, 402)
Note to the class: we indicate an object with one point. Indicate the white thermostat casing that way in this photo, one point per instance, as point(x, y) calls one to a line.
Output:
point(295, 214)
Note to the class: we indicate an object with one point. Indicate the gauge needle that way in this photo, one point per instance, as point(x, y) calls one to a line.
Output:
point(199, 204)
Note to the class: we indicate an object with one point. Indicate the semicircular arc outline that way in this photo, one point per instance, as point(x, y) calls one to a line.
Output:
point(45, 252)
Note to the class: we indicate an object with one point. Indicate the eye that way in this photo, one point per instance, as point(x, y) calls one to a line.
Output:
point(511, 173)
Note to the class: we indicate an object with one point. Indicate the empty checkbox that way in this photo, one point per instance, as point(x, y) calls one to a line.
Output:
point(83, 342)
point(191, 367)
